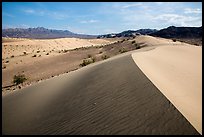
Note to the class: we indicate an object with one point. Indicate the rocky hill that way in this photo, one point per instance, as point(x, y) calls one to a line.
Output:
point(129, 33)
point(179, 32)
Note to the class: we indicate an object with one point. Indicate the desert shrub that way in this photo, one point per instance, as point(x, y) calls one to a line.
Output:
point(34, 55)
point(39, 56)
point(99, 46)
point(12, 56)
point(174, 40)
point(85, 62)
point(93, 59)
point(122, 50)
point(137, 46)
point(122, 40)
point(89, 55)
point(38, 51)
point(24, 53)
point(18, 79)
point(7, 61)
point(104, 57)
point(47, 54)
point(4, 66)
point(133, 41)
point(65, 50)
point(100, 52)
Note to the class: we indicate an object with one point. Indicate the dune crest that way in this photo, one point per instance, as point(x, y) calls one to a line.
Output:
point(177, 72)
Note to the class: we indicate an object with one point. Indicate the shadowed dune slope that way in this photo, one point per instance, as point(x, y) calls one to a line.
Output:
point(177, 72)
point(113, 97)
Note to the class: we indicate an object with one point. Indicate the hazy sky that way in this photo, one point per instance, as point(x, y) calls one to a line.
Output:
point(100, 17)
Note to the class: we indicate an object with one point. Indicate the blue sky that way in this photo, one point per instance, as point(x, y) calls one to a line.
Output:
point(100, 17)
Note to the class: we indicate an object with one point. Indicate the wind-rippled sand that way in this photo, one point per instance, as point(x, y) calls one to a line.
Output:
point(177, 73)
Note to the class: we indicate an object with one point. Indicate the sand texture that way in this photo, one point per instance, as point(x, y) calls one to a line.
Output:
point(16, 47)
point(177, 72)
point(110, 97)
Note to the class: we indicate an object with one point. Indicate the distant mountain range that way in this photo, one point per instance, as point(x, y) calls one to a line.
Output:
point(179, 32)
point(129, 33)
point(43, 33)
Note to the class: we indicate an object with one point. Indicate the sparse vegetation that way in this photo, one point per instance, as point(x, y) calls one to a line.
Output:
point(4, 66)
point(87, 61)
point(34, 55)
point(133, 41)
point(104, 57)
point(99, 46)
point(89, 55)
point(47, 54)
point(100, 52)
point(174, 40)
point(122, 40)
point(123, 50)
point(12, 56)
point(24, 53)
point(65, 50)
point(7, 61)
point(137, 46)
point(18, 79)
point(93, 59)
point(38, 51)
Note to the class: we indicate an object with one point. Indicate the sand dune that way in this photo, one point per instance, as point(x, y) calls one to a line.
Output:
point(177, 72)
point(156, 41)
point(16, 47)
point(17, 56)
point(106, 98)
point(112, 96)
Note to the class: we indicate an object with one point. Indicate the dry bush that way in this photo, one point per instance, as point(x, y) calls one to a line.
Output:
point(18, 79)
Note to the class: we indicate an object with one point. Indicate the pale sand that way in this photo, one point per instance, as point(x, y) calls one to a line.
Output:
point(177, 72)
point(153, 41)
point(16, 46)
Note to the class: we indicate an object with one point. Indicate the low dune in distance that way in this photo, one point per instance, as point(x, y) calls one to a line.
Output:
point(16, 46)
point(177, 72)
